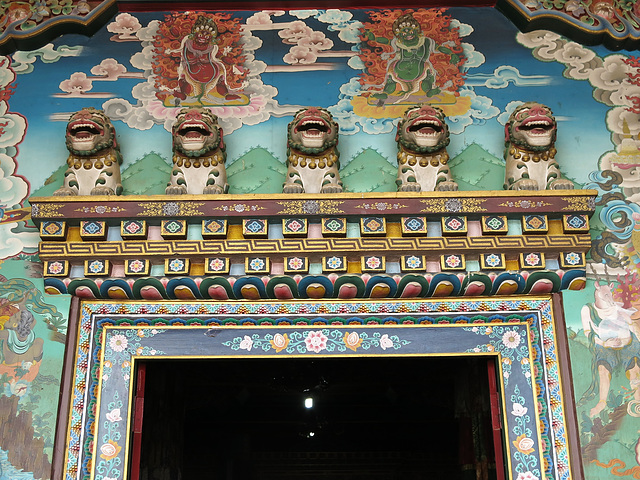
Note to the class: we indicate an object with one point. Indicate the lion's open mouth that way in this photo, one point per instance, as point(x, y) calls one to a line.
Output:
point(537, 126)
point(313, 128)
point(194, 132)
point(425, 128)
point(84, 131)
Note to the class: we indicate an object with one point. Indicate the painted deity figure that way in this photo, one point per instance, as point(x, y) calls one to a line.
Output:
point(409, 68)
point(20, 350)
point(200, 71)
point(614, 338)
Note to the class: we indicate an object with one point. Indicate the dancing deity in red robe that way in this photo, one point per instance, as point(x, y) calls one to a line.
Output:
point(200, 70)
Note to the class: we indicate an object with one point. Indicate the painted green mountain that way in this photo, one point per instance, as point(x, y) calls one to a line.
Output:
point(147, 176)
point(476, 169)
point(369, 172)
point(257, 171)
point(51, 184)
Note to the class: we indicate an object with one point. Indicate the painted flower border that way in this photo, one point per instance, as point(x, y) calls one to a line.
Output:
point(551, 428)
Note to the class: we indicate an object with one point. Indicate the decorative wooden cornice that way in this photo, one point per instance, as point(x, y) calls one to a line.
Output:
point(31, 24)
point(349, 245)
point(614, 23)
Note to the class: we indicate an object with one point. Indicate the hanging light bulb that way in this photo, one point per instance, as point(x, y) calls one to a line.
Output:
point(308, 402)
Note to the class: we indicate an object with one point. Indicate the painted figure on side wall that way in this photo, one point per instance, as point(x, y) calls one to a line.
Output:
point(198, 60)
point(312, 156)
point(530, 136)
point(409, 56)
point(198, 154)
point(614, 340)
point(422, 139)
point(94, 156)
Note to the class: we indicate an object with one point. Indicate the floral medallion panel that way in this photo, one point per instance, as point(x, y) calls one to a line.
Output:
point(518, 333)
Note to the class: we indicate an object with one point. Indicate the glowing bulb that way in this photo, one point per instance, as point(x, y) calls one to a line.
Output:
point(311, 434)
point(308, 402)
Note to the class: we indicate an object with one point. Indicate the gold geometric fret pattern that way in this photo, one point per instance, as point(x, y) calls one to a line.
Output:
point(385, 246)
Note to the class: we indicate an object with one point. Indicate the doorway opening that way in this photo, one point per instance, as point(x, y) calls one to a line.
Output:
point(339, 418)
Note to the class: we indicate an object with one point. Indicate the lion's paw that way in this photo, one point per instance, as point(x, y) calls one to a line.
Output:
point(410, 187)
point(525, 184)
point(175, 190)
point(331, 189)
point(562, 184)
point(292, 188)
point(65, 192)
point(212, 189)
point(102, 190)
point(447, 187)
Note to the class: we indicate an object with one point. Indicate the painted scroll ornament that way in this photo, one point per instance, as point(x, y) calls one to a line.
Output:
point(94, 156)
point(198, 154)
point(530, 136)
point(312, 156)
point(422, 139)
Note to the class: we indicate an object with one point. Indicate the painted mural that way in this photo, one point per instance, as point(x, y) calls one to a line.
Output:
point(254, 71)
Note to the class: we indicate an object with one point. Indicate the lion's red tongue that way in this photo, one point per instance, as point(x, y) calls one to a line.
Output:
point(427, 131)
point(193, 134)
point(83, 135)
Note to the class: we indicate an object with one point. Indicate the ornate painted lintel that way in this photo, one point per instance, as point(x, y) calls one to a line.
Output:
point(614, 23)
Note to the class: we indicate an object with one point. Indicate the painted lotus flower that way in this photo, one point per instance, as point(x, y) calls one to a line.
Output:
point(527, 476)
point(518, 410)
point(279, 342)
point(385, 342)
point(524, 444)
point(316, 341)
point(118, 343)
point(246, 343)
point(114, 415)
point(511, 339)
point(352, 340)
point(110, 450)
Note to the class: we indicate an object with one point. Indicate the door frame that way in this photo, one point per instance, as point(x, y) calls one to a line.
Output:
point(539, 436)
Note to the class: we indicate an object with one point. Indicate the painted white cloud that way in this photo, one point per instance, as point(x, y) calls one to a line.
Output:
point(503, 118)
point(260, 18)
point(13, 125)
point(503, 76)
point(23, 62)
point(146, 34)
point(302, 14)
point(125, 26)
point(350, 33)
point(109, 69)
point(464, 30)
point(610, 77)
point(335, 17)
point(579, 61)
point(13, 190)
point(479, 112)
point(473, 57)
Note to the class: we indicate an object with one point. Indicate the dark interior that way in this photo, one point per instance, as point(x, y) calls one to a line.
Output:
point(372, 418)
